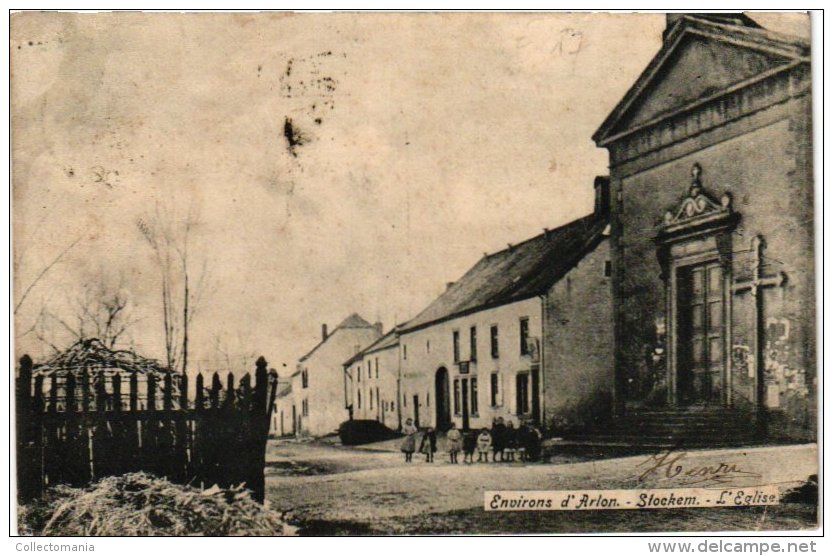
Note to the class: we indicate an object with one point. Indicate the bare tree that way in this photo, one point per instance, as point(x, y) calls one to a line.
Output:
point(102, 310)
point(230, 351)
point(169, 240)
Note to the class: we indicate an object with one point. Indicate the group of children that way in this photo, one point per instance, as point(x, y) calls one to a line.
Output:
point(503, 440)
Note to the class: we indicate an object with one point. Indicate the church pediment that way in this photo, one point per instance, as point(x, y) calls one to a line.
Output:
point(697, 69)
point(699, 60)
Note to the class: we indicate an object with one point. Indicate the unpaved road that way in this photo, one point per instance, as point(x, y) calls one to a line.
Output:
point(331, 490)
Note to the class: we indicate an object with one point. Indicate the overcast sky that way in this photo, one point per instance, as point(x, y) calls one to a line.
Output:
point(419, 143)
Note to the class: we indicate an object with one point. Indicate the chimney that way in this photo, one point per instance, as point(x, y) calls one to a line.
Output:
point(602, 186)
point(378, 326)
point(448, 285)
point(323, 332)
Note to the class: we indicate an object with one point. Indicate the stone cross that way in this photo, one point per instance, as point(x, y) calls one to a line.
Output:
point(755, 286)
point(757, 282)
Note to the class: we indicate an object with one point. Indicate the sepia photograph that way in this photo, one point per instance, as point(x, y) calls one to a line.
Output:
point(413, 273)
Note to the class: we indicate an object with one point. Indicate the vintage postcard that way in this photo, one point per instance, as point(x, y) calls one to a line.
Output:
point(413, 273)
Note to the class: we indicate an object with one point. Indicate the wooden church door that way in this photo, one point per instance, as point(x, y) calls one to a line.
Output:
point(700, 333)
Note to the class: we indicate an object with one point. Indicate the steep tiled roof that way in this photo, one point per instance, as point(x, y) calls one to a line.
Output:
point(518, 272)
point(353, 321)
point(390, 339)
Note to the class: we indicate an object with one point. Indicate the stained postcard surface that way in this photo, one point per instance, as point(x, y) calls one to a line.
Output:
point(386, 273)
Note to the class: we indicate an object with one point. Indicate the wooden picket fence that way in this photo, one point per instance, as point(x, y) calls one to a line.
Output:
point(71, 430)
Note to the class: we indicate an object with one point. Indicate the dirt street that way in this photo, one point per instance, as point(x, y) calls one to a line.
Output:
point(336, 490)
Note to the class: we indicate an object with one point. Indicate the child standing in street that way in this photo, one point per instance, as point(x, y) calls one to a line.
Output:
point(484, 445)
point(409, 443)
point(498, 439)
point(429, 445)
point(455, 442)
point(469, 446)
point(511, 440)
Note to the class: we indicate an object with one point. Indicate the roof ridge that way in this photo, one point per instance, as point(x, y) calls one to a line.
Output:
point(515, 273)
point(370, 348)
point(354, 320)
point(545, 233)
point(574, 249)
point(760, 30)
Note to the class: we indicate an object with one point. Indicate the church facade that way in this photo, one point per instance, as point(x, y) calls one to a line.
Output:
point(712, 226)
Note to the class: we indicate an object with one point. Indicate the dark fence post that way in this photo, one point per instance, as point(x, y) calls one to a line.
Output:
point(85, 390)
point(258, 431)
point(29, 473)
point(228, 450)
point(243, 433)
point(198, 445)
point(212, 434)
point(182, 434)
point(216, 387)
point(53, 456)
point(76, 460)
point(117, 423)
point(85, 439)
point(134, 427)
point(117, 392)
point(38, 408)
point(149, 445)
point(166, 430)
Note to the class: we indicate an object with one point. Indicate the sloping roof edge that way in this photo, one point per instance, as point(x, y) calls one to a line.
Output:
point(753, 38)
point(376, 346)
point(594, 240)
point(351, 322)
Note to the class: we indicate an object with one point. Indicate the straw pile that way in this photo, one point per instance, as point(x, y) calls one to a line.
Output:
point(137, 504)
point(93, 355)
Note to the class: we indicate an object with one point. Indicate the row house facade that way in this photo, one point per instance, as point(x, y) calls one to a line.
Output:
point(525, 334)
point(314, 400)
point(371, 382)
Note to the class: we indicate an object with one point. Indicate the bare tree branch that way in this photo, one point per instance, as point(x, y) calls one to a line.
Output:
point(170, 244)
point(43, 272)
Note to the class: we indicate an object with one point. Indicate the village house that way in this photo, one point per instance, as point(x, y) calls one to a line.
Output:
point(525, 334)
point(371, 379)
point(315, 397)
point(712, 227)
point(283, 420)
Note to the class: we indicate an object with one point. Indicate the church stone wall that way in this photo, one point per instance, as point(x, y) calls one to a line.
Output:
point(763, 160)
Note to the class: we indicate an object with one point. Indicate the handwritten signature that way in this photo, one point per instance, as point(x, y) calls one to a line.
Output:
point(671, 465)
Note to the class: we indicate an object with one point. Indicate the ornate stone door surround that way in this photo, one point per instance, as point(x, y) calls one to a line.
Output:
point(696, 231)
